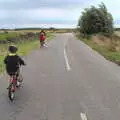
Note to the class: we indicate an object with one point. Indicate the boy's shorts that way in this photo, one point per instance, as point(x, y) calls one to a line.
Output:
point(13, 73)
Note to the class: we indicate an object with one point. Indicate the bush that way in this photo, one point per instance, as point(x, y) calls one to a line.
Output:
point(96, 20)
point(16, 37)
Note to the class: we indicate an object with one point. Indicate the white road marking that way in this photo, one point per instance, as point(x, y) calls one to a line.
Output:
point(83, 116)
point(66, 58)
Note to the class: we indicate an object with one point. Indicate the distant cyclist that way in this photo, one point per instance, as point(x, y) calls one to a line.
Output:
point(42, 37)
point(13, 61)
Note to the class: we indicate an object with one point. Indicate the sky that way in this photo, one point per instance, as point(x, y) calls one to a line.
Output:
point(49, 13)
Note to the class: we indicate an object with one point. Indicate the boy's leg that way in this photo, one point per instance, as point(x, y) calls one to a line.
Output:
point(40, 43)
point(9, 79)
point(19, 78)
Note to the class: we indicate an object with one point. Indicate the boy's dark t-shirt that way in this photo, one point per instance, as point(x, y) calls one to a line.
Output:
point(12, 63)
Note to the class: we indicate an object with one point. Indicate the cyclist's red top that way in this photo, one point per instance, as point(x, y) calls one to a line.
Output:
point(42, 36)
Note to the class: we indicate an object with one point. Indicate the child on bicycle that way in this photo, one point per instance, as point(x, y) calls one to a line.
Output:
point(42, 37)
point(13, 61)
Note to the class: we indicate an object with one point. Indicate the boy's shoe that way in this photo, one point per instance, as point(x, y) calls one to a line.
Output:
point(7, 88)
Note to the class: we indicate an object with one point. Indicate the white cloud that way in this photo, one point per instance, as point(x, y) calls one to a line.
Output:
point(54, 13)
point(47, 13)
point(50, 12)
point(42, 15)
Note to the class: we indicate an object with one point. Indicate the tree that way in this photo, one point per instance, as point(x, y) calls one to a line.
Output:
point(95, 20)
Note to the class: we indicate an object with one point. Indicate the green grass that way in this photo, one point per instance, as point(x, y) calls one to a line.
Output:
point(24, 48)
point(104, 51)
point(5, 36)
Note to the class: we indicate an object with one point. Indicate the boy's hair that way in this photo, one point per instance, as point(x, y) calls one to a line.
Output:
point(12, 49)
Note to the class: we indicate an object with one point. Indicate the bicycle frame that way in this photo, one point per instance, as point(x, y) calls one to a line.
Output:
point(13, 85)
point(13, 81)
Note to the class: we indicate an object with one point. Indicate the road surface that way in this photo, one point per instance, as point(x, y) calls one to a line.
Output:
point(65, 81)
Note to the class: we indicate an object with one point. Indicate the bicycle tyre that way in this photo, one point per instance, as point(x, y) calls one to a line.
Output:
point(11, 93)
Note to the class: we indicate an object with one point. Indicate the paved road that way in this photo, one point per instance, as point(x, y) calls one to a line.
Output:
point(65, 81)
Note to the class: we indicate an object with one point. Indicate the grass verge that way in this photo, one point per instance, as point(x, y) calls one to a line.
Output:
point(107, 52)
point(24, 48)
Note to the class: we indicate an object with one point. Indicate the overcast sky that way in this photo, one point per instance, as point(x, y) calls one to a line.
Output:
point(49, 13)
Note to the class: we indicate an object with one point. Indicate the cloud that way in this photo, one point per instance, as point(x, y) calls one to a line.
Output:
point(59, 12)
point(39, 16)
point(49, 12)
point(33, 4)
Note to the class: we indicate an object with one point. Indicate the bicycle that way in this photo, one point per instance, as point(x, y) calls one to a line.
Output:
point(15, 82)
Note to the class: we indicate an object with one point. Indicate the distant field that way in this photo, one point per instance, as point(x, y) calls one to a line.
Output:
point(22, 31)
point(38, 30)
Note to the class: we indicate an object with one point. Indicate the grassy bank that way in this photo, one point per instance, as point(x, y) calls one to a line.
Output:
point(107, 47)
point(24, 48)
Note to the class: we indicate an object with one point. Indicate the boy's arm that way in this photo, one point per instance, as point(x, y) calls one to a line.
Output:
point(21, 61)
point(44, 33)
point(5, 60)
